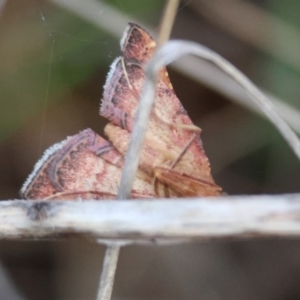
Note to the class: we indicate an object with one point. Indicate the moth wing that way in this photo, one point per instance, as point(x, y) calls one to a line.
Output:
point(138, 46)
point(121, 96)
point(83, 166)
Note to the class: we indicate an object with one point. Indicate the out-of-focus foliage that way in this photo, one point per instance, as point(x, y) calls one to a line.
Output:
point(47, 51)
point(44, 55)
point(284, 80)
point(147, 11)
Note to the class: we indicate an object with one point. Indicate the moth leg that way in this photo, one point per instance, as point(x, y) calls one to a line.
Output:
point(185, 149)
point(183, 184)
point(131, 87)
point(186, 185)
point(161, 188)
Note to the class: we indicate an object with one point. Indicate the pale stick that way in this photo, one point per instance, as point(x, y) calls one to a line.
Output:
point(112, 252)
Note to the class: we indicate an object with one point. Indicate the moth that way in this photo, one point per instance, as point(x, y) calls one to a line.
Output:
point(172, 164)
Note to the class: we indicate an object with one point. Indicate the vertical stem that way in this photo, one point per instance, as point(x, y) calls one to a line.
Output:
point(108, 272)
point(112, 252)
point(167, 21)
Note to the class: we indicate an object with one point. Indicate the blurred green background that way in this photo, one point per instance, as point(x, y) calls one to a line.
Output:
point(54, 59)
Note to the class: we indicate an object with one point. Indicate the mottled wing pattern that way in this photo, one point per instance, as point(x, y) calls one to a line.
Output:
point(170, 130)
point(84, 166)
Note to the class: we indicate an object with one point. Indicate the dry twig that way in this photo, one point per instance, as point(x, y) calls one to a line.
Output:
point(152, 220)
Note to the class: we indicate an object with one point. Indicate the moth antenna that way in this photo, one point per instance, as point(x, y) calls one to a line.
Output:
point(131, 87)
point(185, 149)
point(71, 193)
point(125, 73)
point(190, 127)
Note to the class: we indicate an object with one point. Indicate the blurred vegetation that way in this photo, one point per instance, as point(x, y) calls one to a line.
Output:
point(45, 55)
point(47, 52)
point(281, 79)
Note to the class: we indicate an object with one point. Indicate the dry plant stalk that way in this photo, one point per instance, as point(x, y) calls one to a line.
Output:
point(167, 21)
point(152, 222)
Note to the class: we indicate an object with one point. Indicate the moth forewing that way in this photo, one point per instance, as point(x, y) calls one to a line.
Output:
point(84, 166)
